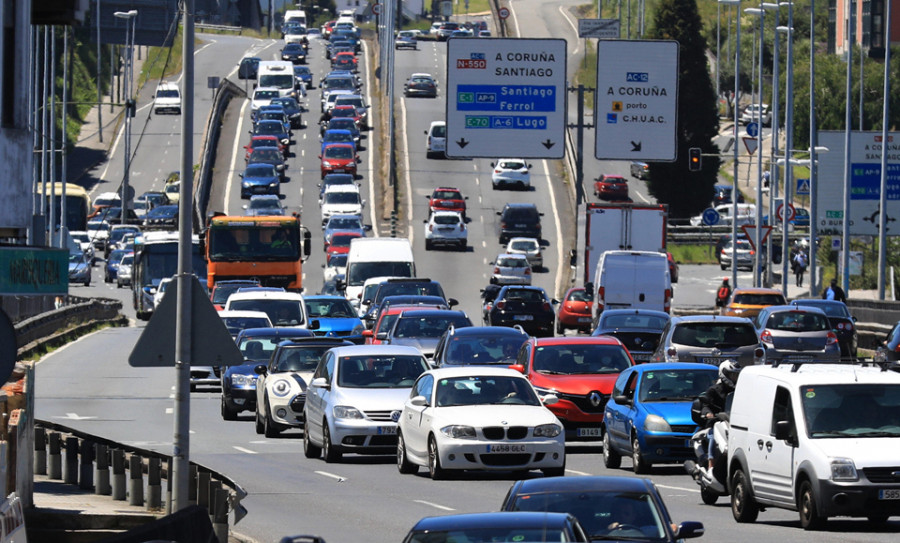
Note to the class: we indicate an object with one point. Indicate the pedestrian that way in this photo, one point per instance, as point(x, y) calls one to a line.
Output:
point(834, 292)
point(723, 294)
point(800, 264)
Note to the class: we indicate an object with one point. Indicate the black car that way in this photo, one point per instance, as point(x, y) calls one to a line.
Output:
point(638, 329)
point(526, 306)
point(249, 68)
point(598, 502)
point(479, 345)
point(239, 382)
point(268, 155)
point(294, 52)
point(406, 286)
point(304, 76)
point(162, 217)
point(842, 322)
point(503, 526)
point(291, 108)
point(425, 300)
point(488, 295)
point(519, 220)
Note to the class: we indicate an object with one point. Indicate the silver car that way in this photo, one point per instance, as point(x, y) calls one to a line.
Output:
point(796, 334)
point(511, 270)
point(529, 247)
point(745, 255)
point(709, 339)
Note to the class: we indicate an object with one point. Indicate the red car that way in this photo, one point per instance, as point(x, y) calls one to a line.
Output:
point(575, 311)
point(581, 372)
point(263, 141)
point(346, 111)
point(344, 60)
point(611, 187)
point(339, 158)
point(673, 268)
point(385, 322)
point(327, 28)
point(447, 199)
point(340, 243)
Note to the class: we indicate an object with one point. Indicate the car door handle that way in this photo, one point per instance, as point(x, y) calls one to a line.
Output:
point(759, 444)
point(769, 446)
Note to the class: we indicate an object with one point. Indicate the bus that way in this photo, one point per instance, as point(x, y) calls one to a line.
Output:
point(277, 74)
point(156, 258)
point(78, 204)
point(269, 249)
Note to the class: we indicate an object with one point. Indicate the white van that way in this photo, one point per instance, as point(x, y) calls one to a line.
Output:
point(295, 16)
point(436, 140)
point(376, 257)
point(820, 439)
point(277, 74)
point(632, 280)
point(167, 99)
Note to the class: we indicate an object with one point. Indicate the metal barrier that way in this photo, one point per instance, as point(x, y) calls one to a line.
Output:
point(61, 325)
point(220, 28)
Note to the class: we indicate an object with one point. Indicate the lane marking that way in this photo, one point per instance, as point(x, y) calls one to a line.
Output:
point(243, 450)
point(678, 488)
point(370, 164)
point(559, 233)
point(435, 505)
point(577, 472)
point(574, 28)
point(331, 476)
point(407, 181)
point(234, 153)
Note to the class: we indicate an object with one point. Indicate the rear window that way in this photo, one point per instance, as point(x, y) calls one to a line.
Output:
point(633, 321)
point(439, 131)
point(758, 299)
point(521, 214)
point(797, 321)
point(709, 335)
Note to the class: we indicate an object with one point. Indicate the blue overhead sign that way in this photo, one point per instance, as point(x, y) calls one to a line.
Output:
point(506, 98)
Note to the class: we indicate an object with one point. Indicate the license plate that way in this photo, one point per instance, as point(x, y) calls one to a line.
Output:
point(798, 359)
point(584, 319)
point(640, 356)
point(521, 226)
point(892, 494)
point(338, 170)
point(710, 360)
point(522, 317)
point(387, 430)
point(588, 432)
point(507, 448)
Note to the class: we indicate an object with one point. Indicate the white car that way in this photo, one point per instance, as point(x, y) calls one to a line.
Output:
point(511, 269)
point(161, 290)
point(335, 264)
point(236, 321)
point(167, 99)
point(99, 233)
point(341, 200)
point(285, 309)
point(479, 418)
point(262, 96)
point(123, 275)
point(511, 171)
point(751, 114)
point(83, 239)
point(354, 400)
point(446, 228)
point(529, 247)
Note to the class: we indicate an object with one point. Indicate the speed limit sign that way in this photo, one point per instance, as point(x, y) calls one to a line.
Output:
point(503, 13)
point(376, 9)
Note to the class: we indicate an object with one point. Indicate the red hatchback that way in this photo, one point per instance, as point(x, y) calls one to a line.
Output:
point(447, 199)
point(340, 243)
point(575, 311)
point(346, 111)
point(339, 158)
point(263, 141)
point(611, 187)
point(581, 372)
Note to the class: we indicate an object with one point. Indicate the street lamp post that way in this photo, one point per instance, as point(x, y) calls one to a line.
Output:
point(129, 17)
point(848, 128)
point(99, 80)
point(761, 13)
point(773, 152)
point(734, 190)
point(813, 163)
point(789, 140)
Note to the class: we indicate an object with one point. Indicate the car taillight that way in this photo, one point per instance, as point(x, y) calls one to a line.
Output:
point(667, 304)
point(527, 271)
point(672, 353)
point(501, 305)
point(845, 326)
point(831, 339)
point(601, 291)
point(431, 228)
point(546, 306)
point(496, 270)
point(766, 336)
point(462, 227)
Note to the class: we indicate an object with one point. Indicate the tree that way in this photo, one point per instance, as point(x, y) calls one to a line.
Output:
point(687, 193)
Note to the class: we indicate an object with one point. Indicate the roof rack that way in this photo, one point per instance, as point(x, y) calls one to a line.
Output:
point(884, 365)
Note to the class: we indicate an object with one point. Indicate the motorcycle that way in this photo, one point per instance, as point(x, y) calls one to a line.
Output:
point(712, 482)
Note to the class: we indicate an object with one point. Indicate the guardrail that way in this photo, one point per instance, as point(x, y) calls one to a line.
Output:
point(220, 28)
point(61, 325)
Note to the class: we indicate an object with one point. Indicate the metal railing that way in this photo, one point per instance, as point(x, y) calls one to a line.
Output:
point(219, 28)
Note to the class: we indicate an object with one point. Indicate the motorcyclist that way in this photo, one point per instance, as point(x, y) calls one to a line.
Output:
point(713, 403)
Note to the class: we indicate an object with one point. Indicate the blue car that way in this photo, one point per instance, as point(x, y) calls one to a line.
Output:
point(260, 178)
point(291, 108)
point(111, 269)
point(303, 75)
point(648, 416)
point(239, 382)
point(343, 123)
point(272, 128)
point(337, 136)
point(801, 218)
point(335, 316)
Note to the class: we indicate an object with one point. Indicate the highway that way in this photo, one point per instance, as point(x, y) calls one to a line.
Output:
point(362, 498)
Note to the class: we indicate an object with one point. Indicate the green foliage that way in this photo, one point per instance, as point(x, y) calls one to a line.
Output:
point(687, 193)
point(868, 246)
point(701, 253)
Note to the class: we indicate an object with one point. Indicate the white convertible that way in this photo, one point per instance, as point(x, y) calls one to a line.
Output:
point(479, 418)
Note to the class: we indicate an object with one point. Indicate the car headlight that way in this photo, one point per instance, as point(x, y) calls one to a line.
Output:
point(843, 469)
point(245, 184)
point(285, 140)
point(459, 432)
point(358, 329)
point(243, 381)
point(273, 184)
point(347, 412)
point(547, 430)
point(326, 164)
point(655, 423)
point(281, 388)
point(546, 391)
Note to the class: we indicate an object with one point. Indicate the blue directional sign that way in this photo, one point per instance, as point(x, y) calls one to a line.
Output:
point(803, 186)
point(752, 129)
point(506, 97)
point(710, 217)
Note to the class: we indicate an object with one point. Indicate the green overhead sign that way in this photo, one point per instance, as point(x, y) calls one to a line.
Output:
point(34, 270)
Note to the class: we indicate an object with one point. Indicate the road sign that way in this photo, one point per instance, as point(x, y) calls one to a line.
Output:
point(446, 8)
point(750, 232)
point(752, 129)
point(503, 13)
point(598, 28)
point(376, 9)
point(642, 75)
point(835, 243)
point(710, 217)
point(212, 82)
point(506, 97)
point(791, 212)
point(751, 144)
point(803, 186)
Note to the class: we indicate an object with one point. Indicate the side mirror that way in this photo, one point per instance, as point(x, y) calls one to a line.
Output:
point(320, 382)
point(313, 324)
point(690, 530)
point(261, 369)
point(621, 399)
point(245, 206)
point(452, 302)
point(518, 367)
point(549, 399)
point(381, 336)
point(418, 401)
point(493, 164)
point(783, 431)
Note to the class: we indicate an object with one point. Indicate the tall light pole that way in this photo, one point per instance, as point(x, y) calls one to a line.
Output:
point(99, 80)
point(761, 14)
point(848, 129)
point(129, 17)
point(718, 52)
point(885, 127)
point(734, 190)
point(788, 142)
point(773, 153)
point(813, 163)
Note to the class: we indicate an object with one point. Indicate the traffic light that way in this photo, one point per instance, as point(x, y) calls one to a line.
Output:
point(695, 159)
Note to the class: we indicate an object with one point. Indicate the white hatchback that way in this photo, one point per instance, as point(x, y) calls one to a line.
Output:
point(341, 200)
point(479, 418)
point(511, 269)
point(511, 171)
point(446, 228)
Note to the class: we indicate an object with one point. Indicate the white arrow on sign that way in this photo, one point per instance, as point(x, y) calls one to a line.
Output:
point(751, 144)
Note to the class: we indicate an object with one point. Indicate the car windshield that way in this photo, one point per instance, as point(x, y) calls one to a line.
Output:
point(342, 124)
point(675, 385)
point(258, 349)
point(344, 223)
point(714, 334)
point(271, 154)
point(265, 203)
point(265, 94)
point(758, 299)
point(337, 137)
point(851, 410)
point(586, 359)
point(236, 324)
point(269, 128)
point(485, 390)
point(331, 308)
point(483, 350)
point(341, 197)
point(304, 358)
point(379, 371)
point(76, 258)
point(597, 510)
point(797, 321)
point(224, 290)
point(432, 326)
point(339, 151)
point(337, 261)
point(259, 170)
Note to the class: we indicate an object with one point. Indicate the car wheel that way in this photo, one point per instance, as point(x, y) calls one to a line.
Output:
point(428, 245)
point(331, 455)
point(434, 461)
point(611, 459)
point(810, 519)
point(708, 496)
point(270, 429)
point(641, 466)
point(107, 279)
point(228, 414)
point(555, 472)
point(309, 449)
point(743, 506)
point(403, 464)
point(260, 428)
point(560, 330)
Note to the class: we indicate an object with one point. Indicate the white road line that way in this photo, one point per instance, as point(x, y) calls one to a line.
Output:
point(406, 180)
point(577, 472)
point(169, 410)
point(677, 488)
point(243, 450)
point(234, 153)
point(573, 25)
point(515, 19)
point(559, 246)
point(436, 506)
point(370, 164)
point(331, 475)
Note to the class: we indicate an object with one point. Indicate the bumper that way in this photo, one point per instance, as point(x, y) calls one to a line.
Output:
point(365, 436)
point(287, 411)
point(534, 327)
point(240, 399)
point(833, 352)
point(499, 180)
point(475, 455)
point(855, 499)
point(511, 280)
point(204, 375)
point(583, 322)
point(441, 240)
point(666, 448)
